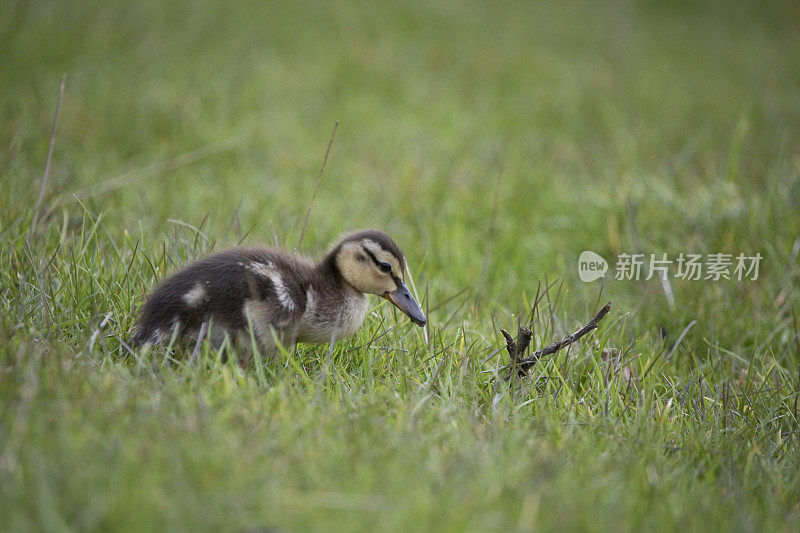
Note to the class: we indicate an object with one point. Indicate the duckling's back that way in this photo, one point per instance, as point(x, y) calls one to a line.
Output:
point(219, 289)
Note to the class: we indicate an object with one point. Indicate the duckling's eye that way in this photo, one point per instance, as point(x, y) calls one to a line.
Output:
point(385, 267)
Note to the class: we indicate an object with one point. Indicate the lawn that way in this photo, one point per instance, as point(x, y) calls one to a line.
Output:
point(495, 142)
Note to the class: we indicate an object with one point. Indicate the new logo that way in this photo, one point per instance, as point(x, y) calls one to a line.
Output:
point(591, 266)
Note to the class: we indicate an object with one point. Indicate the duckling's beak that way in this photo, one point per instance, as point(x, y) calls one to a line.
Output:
point(403, 300)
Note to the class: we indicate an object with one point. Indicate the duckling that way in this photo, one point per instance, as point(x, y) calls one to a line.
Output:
point(285, 298)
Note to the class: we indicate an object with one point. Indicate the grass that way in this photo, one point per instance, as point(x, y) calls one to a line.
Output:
point(495, 143)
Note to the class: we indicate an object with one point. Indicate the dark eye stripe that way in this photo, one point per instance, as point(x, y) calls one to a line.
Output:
point(385, 267)
point(371, 256)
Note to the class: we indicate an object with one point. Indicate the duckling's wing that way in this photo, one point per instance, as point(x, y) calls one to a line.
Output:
point(276, 293)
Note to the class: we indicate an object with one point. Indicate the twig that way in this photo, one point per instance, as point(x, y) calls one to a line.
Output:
point(316, 187)
point(43, 186)
point(516, 348)
point(520, 365)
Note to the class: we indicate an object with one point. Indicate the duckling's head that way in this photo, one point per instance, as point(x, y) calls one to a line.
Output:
point(370, 261)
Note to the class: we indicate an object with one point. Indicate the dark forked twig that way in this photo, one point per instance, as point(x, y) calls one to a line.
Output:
point(516, 348)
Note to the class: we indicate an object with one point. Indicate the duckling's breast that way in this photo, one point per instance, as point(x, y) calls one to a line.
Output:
point(331, 317)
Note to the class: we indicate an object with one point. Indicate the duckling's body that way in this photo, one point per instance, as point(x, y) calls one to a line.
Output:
point(285, 298)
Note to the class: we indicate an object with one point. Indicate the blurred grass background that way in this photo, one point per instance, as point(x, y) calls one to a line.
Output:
point(495, 142)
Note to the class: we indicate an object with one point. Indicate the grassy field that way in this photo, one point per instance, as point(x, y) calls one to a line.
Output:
point(495, 142)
